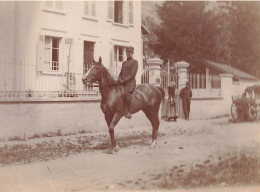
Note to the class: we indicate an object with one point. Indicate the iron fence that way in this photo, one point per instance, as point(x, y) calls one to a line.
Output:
point(22, 80)
point(205, 86)
point(201, 85)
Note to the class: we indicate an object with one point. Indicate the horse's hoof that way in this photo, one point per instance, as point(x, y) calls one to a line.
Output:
point(108, 151)
point(153, 145)
point(117, 148)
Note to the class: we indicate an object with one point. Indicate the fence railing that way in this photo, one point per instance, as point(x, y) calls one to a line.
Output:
point(201, 85)
point(22, 80)
point(205, 86)
point(201, 81)
point(145, 77)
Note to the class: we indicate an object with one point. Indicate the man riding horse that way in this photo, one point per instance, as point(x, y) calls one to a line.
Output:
point(127, 79)
point(111, 95)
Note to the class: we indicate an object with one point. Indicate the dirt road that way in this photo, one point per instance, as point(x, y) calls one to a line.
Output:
point(189, 155)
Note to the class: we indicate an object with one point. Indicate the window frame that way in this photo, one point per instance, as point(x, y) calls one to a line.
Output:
point(90, 15)
point(92, 47)
point(48, 53)
point(117, 62)
point(118, 13)
point(53, 8)
point(130, 12)
point(125, 13)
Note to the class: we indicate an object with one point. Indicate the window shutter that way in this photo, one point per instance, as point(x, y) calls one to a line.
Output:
point(59, 5)
point(49, 4)
point(93, 9)
point(111, 10)
point(113, 56)
point(62, 54)
point(86, 8)
point(130, 13)
point(112, 60)
point(41, 65)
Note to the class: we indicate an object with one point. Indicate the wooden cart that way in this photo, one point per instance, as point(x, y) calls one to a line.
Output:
point(246, 106)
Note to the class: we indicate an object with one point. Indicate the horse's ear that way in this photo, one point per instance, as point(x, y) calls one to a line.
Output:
point(100, 60)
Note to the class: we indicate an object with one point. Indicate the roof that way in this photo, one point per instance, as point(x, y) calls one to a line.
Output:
point(145, 31)
point(223, 68)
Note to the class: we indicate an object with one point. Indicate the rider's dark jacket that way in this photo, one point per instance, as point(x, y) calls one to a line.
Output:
point(127, 75)
point(186, 93)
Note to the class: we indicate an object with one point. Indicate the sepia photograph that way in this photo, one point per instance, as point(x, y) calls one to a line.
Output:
point(129, 95)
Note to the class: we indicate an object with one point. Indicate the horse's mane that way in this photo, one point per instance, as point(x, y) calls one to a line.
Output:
point(106, 76)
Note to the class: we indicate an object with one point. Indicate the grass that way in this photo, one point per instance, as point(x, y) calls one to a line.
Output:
point(220, 116)
point(15, 138)
point(26, 152)
point(57, 133)
point(240, 168)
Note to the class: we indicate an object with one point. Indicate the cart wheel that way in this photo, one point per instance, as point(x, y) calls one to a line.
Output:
point(235, 113)
point(252, 113)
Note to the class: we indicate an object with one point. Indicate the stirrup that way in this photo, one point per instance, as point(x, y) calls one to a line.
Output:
point(128, 116)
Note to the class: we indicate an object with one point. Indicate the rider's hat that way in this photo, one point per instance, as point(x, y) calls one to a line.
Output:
point(130, 49)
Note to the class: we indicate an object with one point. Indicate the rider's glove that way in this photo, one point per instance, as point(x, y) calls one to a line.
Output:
point(120, 81)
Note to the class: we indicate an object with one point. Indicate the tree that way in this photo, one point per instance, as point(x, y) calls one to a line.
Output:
point(188, 32)
point(150, 24)
point(224, 36)
point(228, 32)
point(245, 30)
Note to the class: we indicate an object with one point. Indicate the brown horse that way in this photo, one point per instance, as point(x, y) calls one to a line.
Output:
point(146, 98)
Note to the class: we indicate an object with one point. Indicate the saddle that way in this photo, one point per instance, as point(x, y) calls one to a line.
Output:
point(139, 95)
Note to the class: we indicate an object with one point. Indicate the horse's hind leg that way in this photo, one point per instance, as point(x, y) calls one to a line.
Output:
point(156, 124)
point(152, 115)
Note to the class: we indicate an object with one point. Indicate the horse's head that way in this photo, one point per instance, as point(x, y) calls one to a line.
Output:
point(93, 73)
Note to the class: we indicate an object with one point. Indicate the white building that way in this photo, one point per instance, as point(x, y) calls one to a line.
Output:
point(38, 37)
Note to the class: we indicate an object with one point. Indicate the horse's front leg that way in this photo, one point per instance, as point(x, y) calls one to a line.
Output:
point(115, 120)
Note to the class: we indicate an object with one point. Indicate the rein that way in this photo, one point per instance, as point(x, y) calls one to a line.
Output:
point(101, 84)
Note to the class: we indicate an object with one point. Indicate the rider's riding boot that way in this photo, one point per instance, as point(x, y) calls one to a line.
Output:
point(128, 115)
point(127, 107)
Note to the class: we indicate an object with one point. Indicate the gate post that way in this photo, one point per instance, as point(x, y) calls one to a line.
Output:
point(155, 71)
point(182, 79)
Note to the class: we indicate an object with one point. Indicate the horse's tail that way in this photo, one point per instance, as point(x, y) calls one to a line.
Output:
point(162, 102)
point(163, 94)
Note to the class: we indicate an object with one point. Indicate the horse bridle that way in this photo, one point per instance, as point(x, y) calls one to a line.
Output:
point(90, 83)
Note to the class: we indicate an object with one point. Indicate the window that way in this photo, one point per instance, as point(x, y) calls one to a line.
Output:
point(110, 10)
point(119, 57)
point(90, 8)
point(119, 53)
point(120, 12)
point(56, 6)
point(215, 82)
point(52, 50)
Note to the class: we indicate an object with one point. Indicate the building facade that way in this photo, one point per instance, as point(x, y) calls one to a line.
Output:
point(48, 46)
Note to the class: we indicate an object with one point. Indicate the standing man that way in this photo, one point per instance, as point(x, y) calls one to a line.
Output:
point(127, 79)
point(186, 95)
